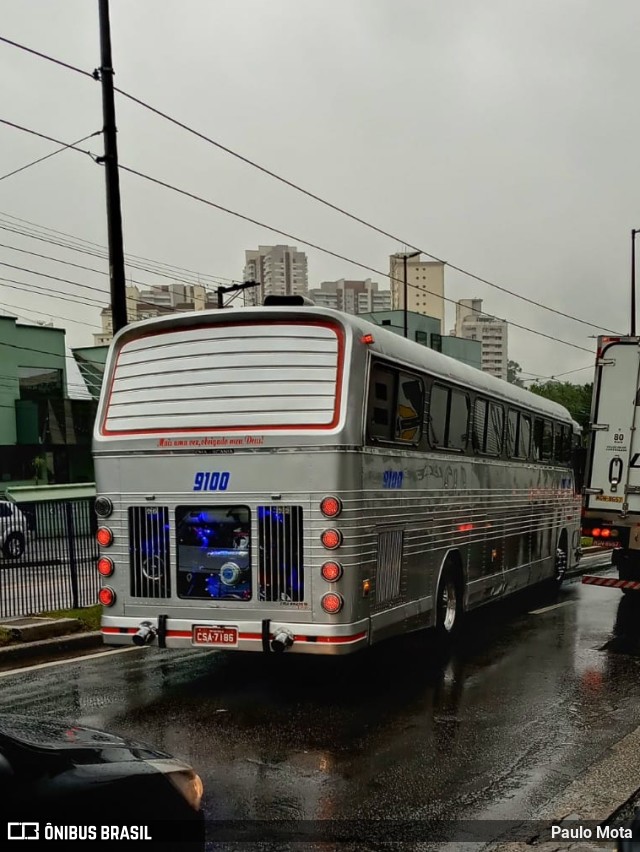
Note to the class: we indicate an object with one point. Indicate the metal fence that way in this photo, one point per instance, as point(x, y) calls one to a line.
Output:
point(48, 555)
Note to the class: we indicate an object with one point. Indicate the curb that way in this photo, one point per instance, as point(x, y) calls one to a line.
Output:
point(59, 644)
point(597, 796)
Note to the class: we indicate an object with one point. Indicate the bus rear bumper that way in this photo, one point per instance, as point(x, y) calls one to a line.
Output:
point(327, 639)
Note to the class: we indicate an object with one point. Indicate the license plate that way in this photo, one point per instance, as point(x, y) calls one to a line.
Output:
point(613, 545)
point(226, 637)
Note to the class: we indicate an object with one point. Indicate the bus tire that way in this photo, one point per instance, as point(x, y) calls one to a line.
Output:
point(561, 560)
point(449, 604)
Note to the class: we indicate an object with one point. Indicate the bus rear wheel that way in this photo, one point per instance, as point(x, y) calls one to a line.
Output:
point(449, 607)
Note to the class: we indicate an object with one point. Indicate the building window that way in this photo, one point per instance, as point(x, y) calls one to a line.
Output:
point(40, 383)
point(422, 337)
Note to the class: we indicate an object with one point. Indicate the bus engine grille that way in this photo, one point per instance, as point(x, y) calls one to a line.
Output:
point(281, 561)
point(149, 551)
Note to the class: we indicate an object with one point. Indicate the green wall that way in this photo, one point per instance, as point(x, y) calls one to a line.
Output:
point(24, 346)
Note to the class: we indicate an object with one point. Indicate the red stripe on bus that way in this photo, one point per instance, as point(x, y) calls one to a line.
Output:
point(337, 329)
point(119, 630)
point(339, 639)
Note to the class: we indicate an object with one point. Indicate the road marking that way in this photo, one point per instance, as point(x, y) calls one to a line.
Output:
point(68, 660)
point(549, 608)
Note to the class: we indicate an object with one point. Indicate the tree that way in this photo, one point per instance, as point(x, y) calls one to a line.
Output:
point(575, 398)
point(513, 374)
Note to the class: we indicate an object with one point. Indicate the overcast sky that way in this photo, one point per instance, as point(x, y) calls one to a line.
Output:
point(501, 136)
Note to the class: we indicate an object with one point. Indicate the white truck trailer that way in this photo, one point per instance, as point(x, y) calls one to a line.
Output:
point(611, 504)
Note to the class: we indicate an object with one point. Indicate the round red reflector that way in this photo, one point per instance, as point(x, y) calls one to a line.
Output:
point(331, 571)
point(331, 602)
point(105, 566)
point(596, 532)
point(331, 507)
point(331, 539)
point(605, 533)
point(104, 536)
point(107, 596)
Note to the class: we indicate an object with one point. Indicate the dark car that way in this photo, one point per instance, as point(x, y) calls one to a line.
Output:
point(57, 781)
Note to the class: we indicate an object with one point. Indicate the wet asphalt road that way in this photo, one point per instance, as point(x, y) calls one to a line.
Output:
point(532, 693)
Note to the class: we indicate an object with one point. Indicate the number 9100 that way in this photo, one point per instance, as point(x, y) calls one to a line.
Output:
point(211, 481)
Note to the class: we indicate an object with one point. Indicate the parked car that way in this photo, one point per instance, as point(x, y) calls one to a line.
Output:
point(53, 775)
point(14, 530)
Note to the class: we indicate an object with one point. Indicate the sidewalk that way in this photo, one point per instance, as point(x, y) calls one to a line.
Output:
point(48, 636)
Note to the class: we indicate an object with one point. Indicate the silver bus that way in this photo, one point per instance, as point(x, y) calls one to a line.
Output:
point(294, 478)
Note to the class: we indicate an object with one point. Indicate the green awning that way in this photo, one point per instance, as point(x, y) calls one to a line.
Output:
point(38, 493)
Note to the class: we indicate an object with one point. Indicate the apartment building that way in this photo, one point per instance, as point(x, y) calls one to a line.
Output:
point(473, 324)
point(153, 302)
point(279, 270)
point(352, 297)
point(425, 285)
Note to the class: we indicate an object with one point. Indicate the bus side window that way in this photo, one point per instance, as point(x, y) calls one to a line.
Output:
point(409, 409)
point(438, 405)
point(495, 429)
point(479, 427)
point(458, 427)
point(558, 442)
point(524, 437)
point(512, 433)
point(547, 441)
point(381, 403)
point(538, 429)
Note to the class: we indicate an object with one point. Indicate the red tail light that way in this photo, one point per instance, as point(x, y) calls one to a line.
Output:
point(105, 566)
point(331, 571)
point(595, 532)
point(331, 603)
point(605, 533)
point(331, 539)
point(331, 507)
point(104, 536)
point(107, 596)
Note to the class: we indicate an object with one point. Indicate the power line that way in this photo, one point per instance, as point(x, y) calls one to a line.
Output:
point(95, 76)
point(96, 250)
point(213, 204)
point(48, 156)
point(342, 211)
point(49, 58)
point(216, 206)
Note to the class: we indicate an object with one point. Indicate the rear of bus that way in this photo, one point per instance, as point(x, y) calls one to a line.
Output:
point(224, 450)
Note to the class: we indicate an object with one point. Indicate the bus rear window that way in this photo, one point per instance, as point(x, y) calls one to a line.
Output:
point(231, 376)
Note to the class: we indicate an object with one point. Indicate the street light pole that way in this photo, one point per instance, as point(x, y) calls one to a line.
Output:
point(406, 293)
point(633, 282)
point(405, 257)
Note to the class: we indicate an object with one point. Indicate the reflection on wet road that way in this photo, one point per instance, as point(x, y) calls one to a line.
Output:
point(530, 696)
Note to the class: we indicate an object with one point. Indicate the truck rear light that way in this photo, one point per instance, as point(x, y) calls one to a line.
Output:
point(331, 539)
point(105, 566)
point(331, 603)
point(107, 596)
point(104, 537)
point(595, 532)
point(331, 571)
point(605, 533)
point(331, 507)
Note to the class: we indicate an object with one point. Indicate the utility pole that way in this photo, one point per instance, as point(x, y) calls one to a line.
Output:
point(112, 177)
point(232, 288)
point(633, 282)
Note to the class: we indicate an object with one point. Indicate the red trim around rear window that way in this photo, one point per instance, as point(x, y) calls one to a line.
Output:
point(337, 329)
